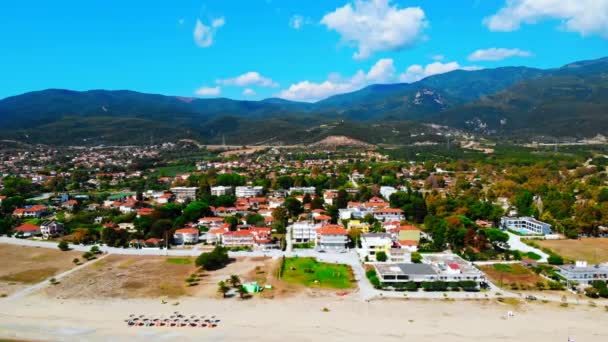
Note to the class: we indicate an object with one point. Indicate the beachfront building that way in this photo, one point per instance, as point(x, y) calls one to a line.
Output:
point(239, 238)
point(221, 190)
point(185, 236)
point(582, 273)
point(372, 244)
point(36, 211)
point(248, 191)
point(210, 222)
point(331, 237)
point(525, 225)
point(434, 267)
point(304, 231)
point(184, 193)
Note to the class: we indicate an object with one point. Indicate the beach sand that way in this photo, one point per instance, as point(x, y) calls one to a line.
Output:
point(302, 318)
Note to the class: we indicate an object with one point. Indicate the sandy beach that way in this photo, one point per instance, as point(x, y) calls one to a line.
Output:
point(303, 319)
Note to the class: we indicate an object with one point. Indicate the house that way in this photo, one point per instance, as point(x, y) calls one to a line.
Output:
point(304, 231)
point(388, 214)
point(329, 196)
point(128, 226)
point(357, 224)
point(210, 222)
point(185, 236)
point(322, 219)
point(223, 211)
point(331, 237)
point(36, 211)
point(372, 244)
point(28, 230)
point(525, 225)
point(69, 204)
point(221, 190)
point(262, 236)
point(406, 233)
point(214, 235)
point(127, 207)
point(50, 229)
point(144, 212)
point(183, 193)
point(239, 238)
point(164, 198)
point(154, 242)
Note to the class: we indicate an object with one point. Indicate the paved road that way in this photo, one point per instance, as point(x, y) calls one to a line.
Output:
point(516, 244)
point(24, 292)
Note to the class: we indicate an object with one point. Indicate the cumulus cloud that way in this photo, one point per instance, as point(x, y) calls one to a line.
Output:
point(417, 72)
point(497, 54)
point(208, 91)
point(249, 79)
point(249, 92)
point(203, 34)
point(382, 71)
point(583, 16)
point(297, 21)
point(376, 25)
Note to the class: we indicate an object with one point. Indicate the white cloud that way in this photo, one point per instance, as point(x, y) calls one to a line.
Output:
point(203, 34)
point(438, 58)
point(297, 21)
point(417, 72)
point(497, 54)
point(249, 79)
point(249, 92)
point(208, 91)
point(381, 72)
point(375, 25)
point(583, 16)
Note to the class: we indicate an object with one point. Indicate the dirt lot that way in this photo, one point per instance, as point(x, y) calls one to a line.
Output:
point(514, 276)
point(123, 276)
point(23, 266)
point(593, 250)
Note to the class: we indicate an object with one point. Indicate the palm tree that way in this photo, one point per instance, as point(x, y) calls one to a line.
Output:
point(223, 288)
point(234, 280)
point(242, 291)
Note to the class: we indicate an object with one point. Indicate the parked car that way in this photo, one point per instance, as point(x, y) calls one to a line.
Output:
point(531, 297)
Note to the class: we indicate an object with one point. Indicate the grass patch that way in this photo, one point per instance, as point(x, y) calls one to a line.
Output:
point(179, 261)
point(311, 273)
point(592, 250)
point(514, 277)
point(171, 290)
point(125, 264)
point(30, 276)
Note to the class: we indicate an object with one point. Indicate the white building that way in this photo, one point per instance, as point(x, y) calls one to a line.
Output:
point(185, 235)
point(525, 225)
point(304, 231)
point(387, 191)
point(311, 190)
point(372, 244)
point(331, 237)
point(249, 191)
point(221, 190)
point(389, 214)
point(184, 193)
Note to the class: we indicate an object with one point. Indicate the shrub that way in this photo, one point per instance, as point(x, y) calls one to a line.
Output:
point(373, 278)
point(213, 260)
point(381, 256)
point(555, 260)
point(63, 246)
point(416, 258)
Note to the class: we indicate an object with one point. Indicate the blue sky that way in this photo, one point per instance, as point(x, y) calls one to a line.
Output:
point(295, 49)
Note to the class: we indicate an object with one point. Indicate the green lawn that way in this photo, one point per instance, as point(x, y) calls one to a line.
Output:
point(173, 170)
point(179, 261)
point(311, 273)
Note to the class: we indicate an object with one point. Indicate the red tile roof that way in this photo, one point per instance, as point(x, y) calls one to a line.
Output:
point(332, 229)
point(27, 227)
point(187, 231)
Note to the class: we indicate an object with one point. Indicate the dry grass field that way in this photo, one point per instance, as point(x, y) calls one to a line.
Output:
point(23, 266)
point(593, 250)
point(512, 276)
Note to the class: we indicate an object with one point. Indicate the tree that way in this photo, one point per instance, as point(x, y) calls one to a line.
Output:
point(416, 258)
point(63, 246)
point(381, 256)
point(196, 210)
point(255, 219)
point(235, 281)
point(555, 260)
point(342, 199)
point(317, 203)
point(222, 288)
point(293, 206)
point(213, 260)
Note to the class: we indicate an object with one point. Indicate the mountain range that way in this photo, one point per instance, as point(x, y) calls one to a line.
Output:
point(570, 101)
